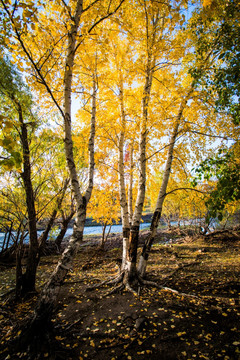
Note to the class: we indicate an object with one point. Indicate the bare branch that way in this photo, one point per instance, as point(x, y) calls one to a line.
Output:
point(30, 58)
point(210, 135)
point(90, 5)
point(68, 9)
point(185, 189)
point(100, 20)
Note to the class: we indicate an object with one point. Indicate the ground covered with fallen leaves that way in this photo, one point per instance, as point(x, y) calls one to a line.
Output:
point(199, 321)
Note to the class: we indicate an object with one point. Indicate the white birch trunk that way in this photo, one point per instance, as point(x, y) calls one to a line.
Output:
point(162, 192)
point(130, 189)
point(134, 232)
point(50, 293)
point(122, 188)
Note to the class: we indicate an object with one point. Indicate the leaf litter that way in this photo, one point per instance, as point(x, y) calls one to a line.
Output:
point(159, 324)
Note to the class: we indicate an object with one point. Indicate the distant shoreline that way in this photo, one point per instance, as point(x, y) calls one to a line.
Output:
point(90, 222)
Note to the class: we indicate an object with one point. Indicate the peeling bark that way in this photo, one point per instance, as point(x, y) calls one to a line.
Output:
point(134, 232)
point(162, 192)
point(130, 189)
point(46, 304)
point(122, 188)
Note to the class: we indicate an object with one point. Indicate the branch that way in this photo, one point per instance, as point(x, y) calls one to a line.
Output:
point(100, 20)
point(90, 5)
point(67, 7)
point(38, 71)
point(183, 188)
point(181, 163)
point(214, 136)
point(164, 147)
point(91, 142)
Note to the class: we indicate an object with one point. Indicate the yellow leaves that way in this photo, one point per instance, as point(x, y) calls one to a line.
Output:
point(92, 343)
point(59, 338)
point(207, 3)
point(181, 333)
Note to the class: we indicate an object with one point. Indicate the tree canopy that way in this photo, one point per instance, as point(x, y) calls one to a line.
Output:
point(116, 102)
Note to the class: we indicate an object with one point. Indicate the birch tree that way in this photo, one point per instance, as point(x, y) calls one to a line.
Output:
point(201, 66)
point(80, 20)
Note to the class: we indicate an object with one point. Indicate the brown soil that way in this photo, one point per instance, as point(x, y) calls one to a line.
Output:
point(159, 324)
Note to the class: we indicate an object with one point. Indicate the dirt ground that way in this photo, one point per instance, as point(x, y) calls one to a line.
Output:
point(195, 316)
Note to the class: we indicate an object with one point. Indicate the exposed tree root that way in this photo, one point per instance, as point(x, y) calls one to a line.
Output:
point(115, 290)
point(122, 282)
point(195, 262)
point(130, 289)
point(115, 280)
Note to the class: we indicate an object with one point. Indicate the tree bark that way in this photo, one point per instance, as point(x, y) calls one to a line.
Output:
point(134, 231)
point(28, 279)
point(130, 189)
point(43, 238)
point(46, 304)
point(19, 274)
point(122, 188)
point(162, 192)
point(64, 226)
point(7, 237)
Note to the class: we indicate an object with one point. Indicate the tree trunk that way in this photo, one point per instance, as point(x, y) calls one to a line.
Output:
point(134, 231)
point(47, 302)
point(162, 192)
point(7, 237)
point(64, 226)
point(130, 189)
point(19, 274)
point(103, 235)
point(122, 188)
point(43, 238)
point(28, 279)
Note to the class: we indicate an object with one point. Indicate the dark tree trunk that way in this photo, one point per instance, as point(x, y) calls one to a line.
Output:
point(132, 252)
point(19, 274)
point(64, 226)
point(28, 279)
point(104, 235)
point(4, 241)
point(43, 238)
point(7, 237)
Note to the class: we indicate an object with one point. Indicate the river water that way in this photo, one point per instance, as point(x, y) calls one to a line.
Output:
point(88, 230)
